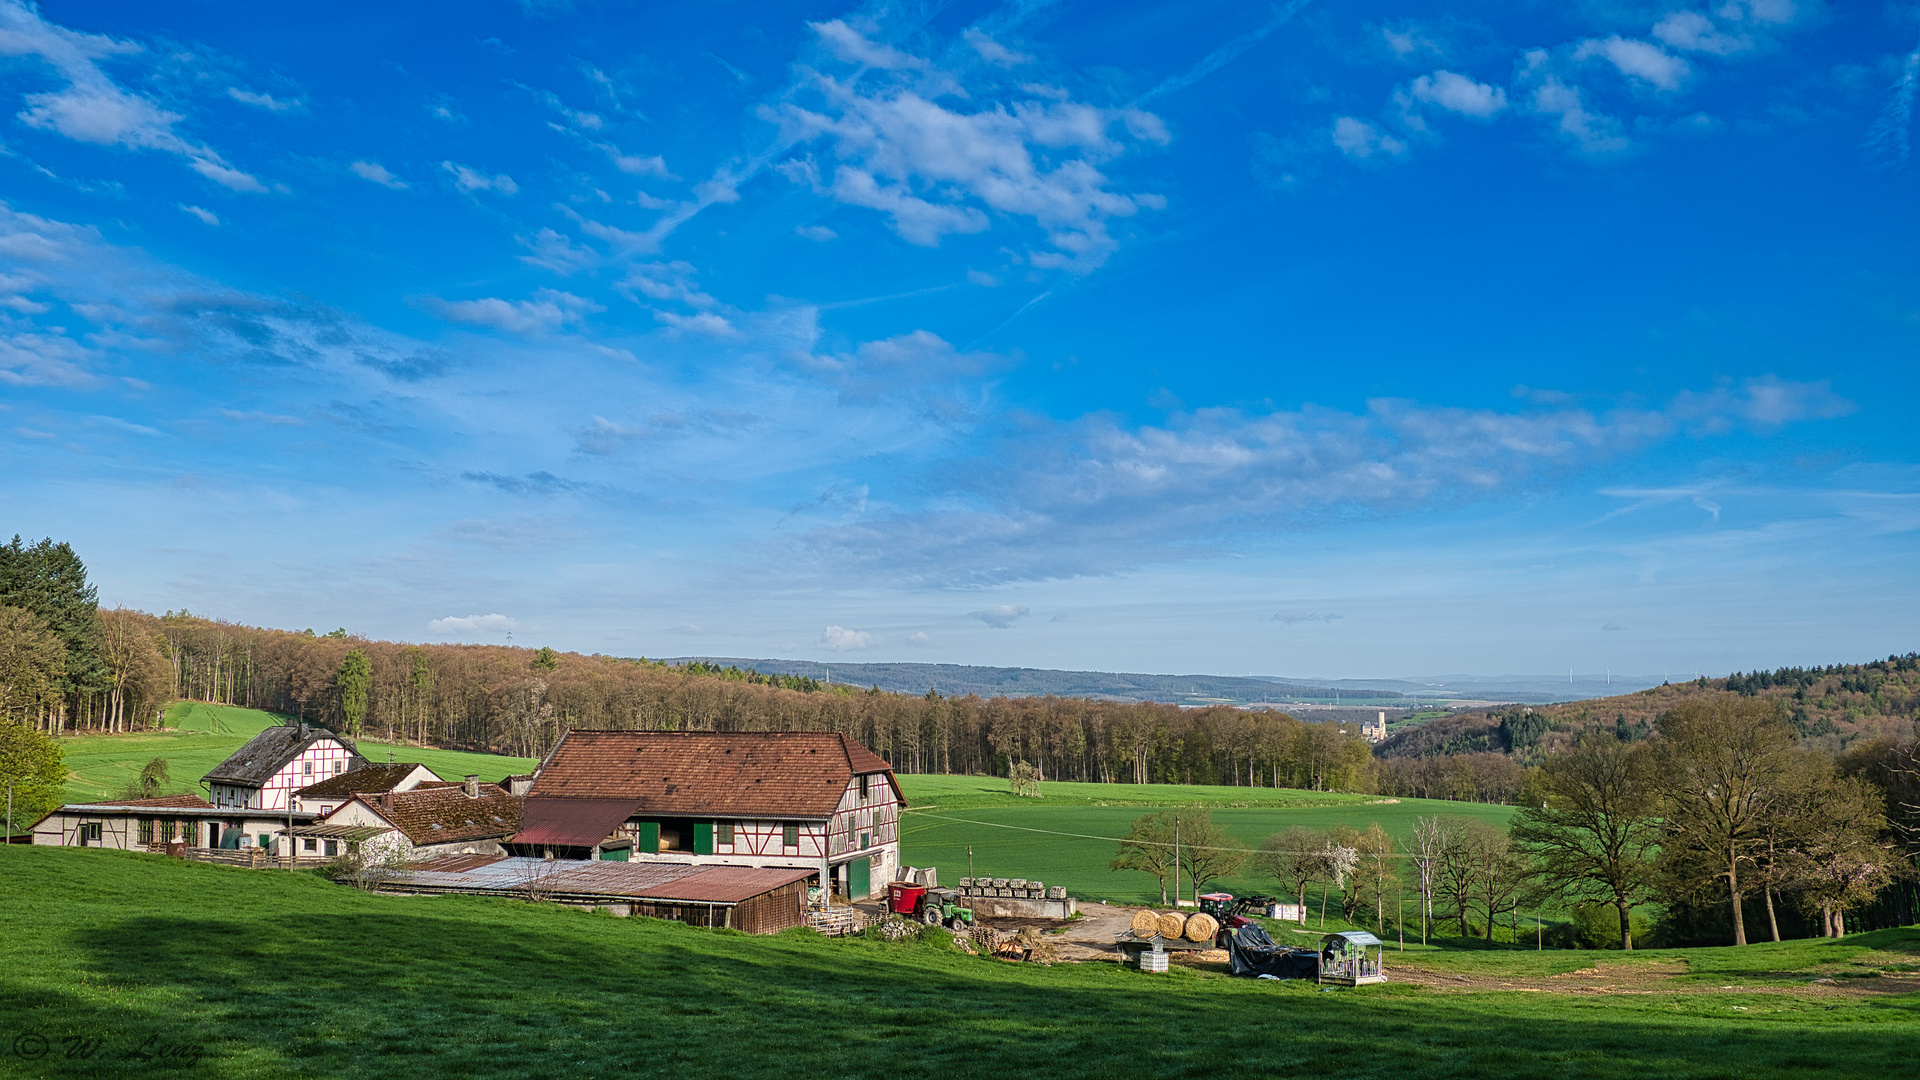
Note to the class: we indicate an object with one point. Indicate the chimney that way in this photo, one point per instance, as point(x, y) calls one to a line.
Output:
point(471, 786)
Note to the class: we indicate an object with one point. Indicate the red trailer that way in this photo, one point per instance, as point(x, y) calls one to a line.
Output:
point(903, 898)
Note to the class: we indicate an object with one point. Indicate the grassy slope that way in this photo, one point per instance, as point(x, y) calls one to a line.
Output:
point(978, 811)
point(280, 975)
point(203, 735)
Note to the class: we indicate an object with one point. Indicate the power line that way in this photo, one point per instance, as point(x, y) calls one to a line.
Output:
point(1125, 840)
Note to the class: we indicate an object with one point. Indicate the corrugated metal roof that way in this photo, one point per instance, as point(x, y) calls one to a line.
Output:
point(710, 774)
point(726, 884)
point(182, 802)
point(655, 882)
point(571, 822)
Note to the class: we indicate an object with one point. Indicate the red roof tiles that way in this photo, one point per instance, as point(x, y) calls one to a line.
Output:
point(442, 815)
point(708, 773)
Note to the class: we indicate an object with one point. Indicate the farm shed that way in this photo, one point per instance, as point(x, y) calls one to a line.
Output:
point(804, 800)
point(176, 822)
point(758, 900)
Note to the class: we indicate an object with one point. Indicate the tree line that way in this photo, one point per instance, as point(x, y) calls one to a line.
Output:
point(1721, 818)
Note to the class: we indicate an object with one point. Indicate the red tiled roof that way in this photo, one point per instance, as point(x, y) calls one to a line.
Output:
point(709, 773)
point(442, 815)
point(570, 822)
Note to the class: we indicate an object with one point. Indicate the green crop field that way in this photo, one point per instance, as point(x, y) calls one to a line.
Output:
point(200, 736)
point(124, 965)
point(1067, 836)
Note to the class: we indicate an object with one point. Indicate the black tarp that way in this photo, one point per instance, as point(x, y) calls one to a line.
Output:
point(1250, 952)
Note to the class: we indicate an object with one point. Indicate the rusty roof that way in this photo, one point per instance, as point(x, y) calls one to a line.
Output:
point(180, 802)
point(725, 884)
point(571, 822)
point(442, 815)
point(645, 881)
point(710, 773)
point(366, 778)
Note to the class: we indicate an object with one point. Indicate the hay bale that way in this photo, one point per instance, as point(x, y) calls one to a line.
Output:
point(1201, 927)
point(1171, 925)
point(1146, 922)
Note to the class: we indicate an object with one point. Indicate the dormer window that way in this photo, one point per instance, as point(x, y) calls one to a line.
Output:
point(864, 779)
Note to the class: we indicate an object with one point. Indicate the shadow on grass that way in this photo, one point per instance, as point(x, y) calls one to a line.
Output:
point(457, 987)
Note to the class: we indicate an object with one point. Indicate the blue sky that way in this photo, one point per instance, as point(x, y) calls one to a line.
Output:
point(1304, 339)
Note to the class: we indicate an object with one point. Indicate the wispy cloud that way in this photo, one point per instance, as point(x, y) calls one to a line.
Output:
point(470, 180)
point(548, 311)
point(374, 172)
point(469, 626)
point(1000, 616)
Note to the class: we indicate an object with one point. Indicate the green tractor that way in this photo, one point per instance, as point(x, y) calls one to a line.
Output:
point(943, 906)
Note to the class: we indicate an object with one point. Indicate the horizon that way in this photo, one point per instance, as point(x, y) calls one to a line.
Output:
point(1112, 338)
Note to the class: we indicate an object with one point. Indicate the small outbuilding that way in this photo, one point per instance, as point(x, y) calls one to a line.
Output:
point(1352, 958)
point(337, 790)
point(402, 826)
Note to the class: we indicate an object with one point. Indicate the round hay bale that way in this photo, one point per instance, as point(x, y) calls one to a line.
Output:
point(1171, 925)
point(1145, 922)
point(1201, 927)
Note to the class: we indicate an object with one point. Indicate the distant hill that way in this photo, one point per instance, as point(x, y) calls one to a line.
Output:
point(958, 680)
point(1831, 707)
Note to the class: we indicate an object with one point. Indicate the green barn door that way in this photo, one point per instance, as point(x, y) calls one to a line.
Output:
point(703, 838)
point(859, 879)
point(650, 837)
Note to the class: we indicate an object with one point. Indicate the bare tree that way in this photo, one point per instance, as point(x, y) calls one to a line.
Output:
point(1599, 832)
point(1431, 838)
point(1293, 858)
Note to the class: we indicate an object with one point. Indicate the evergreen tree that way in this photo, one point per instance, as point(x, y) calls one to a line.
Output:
point(354, 680)
point(49, 580)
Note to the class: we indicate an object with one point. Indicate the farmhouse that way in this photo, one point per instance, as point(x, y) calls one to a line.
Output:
point(400, 826)
point(802, 800)
point(177, 822)
point(264, 774)
point(336, 790)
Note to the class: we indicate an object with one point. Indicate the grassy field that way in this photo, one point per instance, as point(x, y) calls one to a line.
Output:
point(121, 965)
point(1012, 836)
point(200, 736)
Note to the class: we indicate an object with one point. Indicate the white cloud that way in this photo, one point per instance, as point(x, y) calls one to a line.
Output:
point(907, 361)
point(841, 639)
point(472, 180)
point(551, 250)
point(669, 281)
point(1408, 41)
point(92, 107)
point(467, 626)
point(1360, 140)
point(1459, 93)
point(1637, 59)
point(1002, 616)
point(1290, 618)
point(265, 101)
point(705, 323)
point(1593, 132)
point(546, 312)
point(919, 639)
point(936, 170)
point(1764, 402)
point(851, 45)
point(634, 164)
point(202, 213)
point(377, 173)
point(815, 232)
point(1691, 31)
point(992, 51)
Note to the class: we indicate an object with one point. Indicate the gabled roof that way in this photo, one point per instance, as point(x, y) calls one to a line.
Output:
point(266, 753)
point(365, 779)
point(441, 815)
point(710, 773)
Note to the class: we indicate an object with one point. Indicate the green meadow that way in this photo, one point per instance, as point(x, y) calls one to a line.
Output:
point(199, 736)
point(121, 965)
point(1068, 836)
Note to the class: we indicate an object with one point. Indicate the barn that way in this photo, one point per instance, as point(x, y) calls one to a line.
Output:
point(816, 801)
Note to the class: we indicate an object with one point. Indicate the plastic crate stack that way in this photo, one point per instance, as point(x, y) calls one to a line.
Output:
point(1010, 889)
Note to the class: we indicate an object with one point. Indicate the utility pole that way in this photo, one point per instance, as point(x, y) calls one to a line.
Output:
point(1176, 859)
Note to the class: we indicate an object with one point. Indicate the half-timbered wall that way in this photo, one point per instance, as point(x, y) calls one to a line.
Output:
point(322, 759)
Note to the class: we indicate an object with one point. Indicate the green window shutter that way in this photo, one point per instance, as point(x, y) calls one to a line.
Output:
point(614, 855)
point(725, 835)
point(650, 837)
point(703, 838)
point(790, 836)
